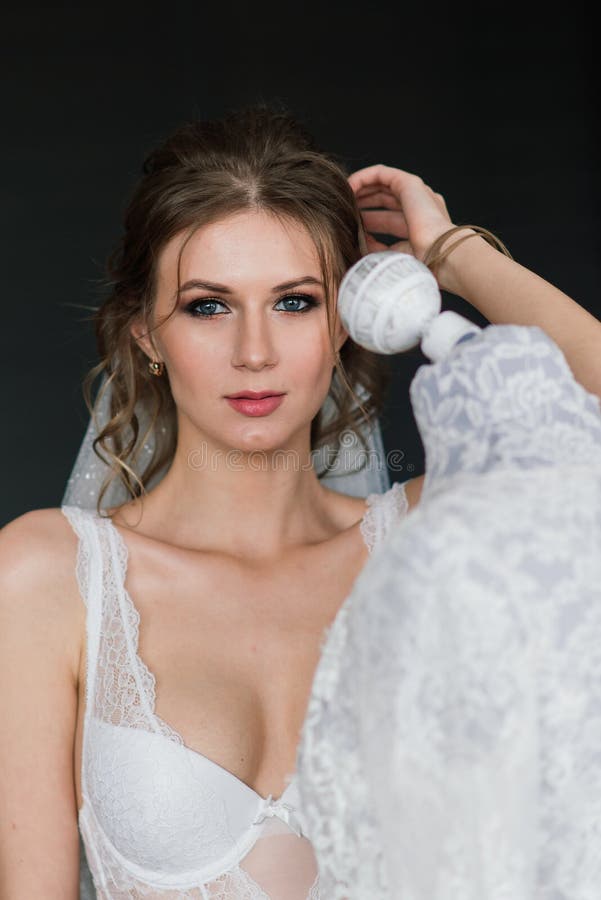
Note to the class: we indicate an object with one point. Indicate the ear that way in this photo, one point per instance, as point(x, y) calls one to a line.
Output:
point(341, 337)
point(138, 332)
point(340, 333)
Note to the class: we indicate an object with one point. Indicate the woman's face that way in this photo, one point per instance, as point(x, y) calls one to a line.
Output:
point(237, 328)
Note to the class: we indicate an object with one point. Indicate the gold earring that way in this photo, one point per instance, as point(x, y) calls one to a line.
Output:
point(156, 367)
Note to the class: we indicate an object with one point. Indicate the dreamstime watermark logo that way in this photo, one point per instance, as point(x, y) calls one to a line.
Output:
point(351, 457)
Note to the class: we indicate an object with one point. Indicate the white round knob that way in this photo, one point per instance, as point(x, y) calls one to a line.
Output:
point(387, 300)
point(444, 332)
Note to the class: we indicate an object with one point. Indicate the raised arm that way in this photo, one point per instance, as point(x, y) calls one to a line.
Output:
point(504, 291)
point(39, 648)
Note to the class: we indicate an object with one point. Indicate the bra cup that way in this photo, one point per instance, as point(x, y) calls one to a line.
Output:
point(158, 800)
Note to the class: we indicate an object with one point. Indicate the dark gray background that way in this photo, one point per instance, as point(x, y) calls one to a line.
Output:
point(498, 115)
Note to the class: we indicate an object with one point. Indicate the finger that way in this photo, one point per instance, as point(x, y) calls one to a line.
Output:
point(415, 198)
point(442, 203)
point(408, 188)
point(374, 245)
point(378, 198)
point(386, 176)
point(402, 247)
point(385, 222)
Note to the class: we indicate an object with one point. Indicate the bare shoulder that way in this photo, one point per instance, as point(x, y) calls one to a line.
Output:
point(413, 490)
point(37, 575)
point(40, 642)
point(36, 544)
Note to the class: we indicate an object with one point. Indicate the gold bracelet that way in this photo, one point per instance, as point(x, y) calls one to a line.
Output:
point(434, 256)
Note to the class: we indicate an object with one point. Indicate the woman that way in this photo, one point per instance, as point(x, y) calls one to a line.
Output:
point(191, 698)
point(240, 516)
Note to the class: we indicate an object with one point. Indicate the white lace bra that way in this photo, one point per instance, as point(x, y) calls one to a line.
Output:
point(158, 819)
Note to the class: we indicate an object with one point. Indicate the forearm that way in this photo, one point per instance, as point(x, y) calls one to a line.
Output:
point(507, 293)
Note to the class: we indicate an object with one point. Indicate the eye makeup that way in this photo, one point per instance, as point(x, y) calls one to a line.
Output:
point(191, 307)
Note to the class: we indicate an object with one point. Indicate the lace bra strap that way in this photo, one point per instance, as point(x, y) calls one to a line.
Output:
point(395, 507)
point(127, 620)
point(90, 577)
point(383, 512)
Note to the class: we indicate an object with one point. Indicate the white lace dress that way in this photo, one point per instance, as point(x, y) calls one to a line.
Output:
point(452, 747)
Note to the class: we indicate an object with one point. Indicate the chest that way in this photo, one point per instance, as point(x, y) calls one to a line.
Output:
point(233, 650)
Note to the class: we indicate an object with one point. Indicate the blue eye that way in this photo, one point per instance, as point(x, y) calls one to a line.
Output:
point(192, 307)
point(306, 298)
point(209, 304)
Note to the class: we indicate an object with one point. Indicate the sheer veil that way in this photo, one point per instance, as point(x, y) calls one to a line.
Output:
point(356, 472)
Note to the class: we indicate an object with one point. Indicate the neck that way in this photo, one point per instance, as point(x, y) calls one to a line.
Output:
point(250, 505)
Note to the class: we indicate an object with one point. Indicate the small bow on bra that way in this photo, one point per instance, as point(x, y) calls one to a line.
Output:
point(284, 811)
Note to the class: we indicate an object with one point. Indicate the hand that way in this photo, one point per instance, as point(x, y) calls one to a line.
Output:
point(413, 212)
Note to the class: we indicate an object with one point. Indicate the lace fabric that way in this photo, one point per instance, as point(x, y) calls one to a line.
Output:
point(159, 820)
point(483, 765)
point(334, 793)
point(451, 747)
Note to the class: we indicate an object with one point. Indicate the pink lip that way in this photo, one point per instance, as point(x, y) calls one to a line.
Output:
point(250, 407)
point(255, 395)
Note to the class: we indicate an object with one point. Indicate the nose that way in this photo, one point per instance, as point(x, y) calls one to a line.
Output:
point(254, 347)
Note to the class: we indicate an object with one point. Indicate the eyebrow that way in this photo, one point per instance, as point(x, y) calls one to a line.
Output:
point(224, 289)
